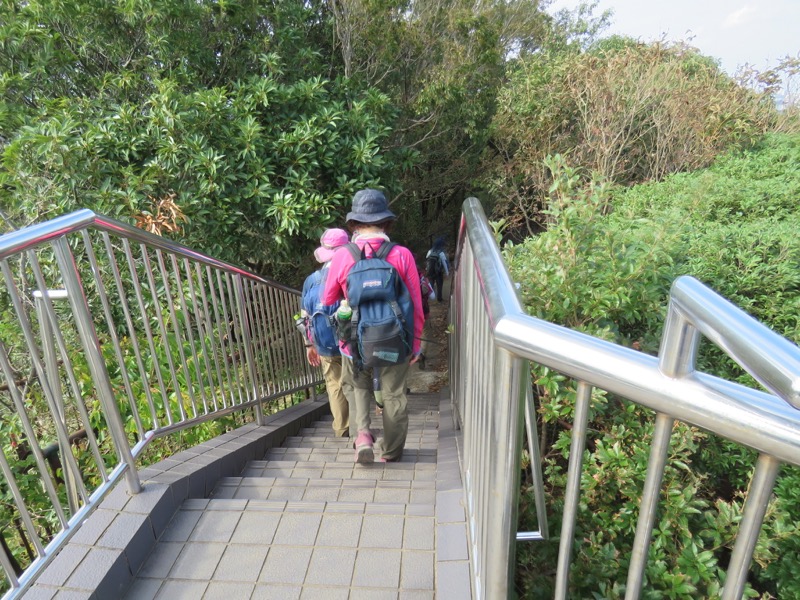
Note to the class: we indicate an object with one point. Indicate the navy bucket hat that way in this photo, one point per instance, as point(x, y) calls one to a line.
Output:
point(370, 206)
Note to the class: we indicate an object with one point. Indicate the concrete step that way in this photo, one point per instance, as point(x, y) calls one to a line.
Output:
point(403, 490)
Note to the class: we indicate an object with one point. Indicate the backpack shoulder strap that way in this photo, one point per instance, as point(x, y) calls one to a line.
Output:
point(354, 250)
point(317, 277)
point(384, 250)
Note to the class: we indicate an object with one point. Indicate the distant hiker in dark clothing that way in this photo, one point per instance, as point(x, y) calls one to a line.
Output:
point(437, 266)
point(426, 290)
point(321, 341)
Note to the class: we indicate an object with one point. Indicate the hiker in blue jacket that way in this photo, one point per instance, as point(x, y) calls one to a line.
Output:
point(322, 344)
point(437, 266)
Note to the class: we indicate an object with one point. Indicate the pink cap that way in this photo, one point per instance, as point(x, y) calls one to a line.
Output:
point(330, 241)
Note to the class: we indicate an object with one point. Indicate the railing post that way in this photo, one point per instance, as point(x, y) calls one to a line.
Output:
point(755, 507)
point(244, 323)
point(94, 357)
point(649, 504)
point(502, 512)
point(676, 358)
point(573, 491)
point(51, 367)
point(532, 431)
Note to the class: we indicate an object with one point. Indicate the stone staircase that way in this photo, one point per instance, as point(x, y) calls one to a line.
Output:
point(307, 522)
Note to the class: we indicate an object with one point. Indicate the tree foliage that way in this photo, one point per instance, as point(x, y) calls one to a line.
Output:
point(118, 108)
point(251, 166)
point(442, 62)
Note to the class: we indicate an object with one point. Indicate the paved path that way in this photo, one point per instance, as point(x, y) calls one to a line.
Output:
point(306, 522)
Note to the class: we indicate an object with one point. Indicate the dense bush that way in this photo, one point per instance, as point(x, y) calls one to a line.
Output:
point(607, 272)
point(628, 111)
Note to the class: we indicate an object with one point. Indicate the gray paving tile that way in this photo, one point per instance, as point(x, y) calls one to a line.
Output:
point(225, 491)
point(63, 565)
point(324, 593)
point(227, 505)
point(218, 590)
point(197, 561)
point(356, 495)
point(291, 481)
point(385, 508)
point(276, 591)
point(380, 531)
point(256, 528)
point(90, 572)
point(161, 560)
point(260, 481)
point(420, 595)
point(346, 507)
point(399, 474)
point(267, 505)
point(305, 507)
point(94, 527)
point(215, 526)
point(450, 507)
point(426, 497)
point(182, 590)
point(418, 534)
point(372, 594)
point(143, 589)
point(41, 592)
point(451, 542)
point(250, 492)
point(331, 566)
point(285, 472)
point(181, 526)
point(339, 530)
point(392, 495)
point(454, 578)
point(73, 595)
point(286, 493)
point(241, 563)
point(416, 571)
point(377, 568)
point(286, 564)
point(297, 529)
point(307, 473)
point(321, 493)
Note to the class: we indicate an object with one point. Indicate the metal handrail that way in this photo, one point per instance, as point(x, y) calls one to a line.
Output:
point(123, 332)
point(492, 342)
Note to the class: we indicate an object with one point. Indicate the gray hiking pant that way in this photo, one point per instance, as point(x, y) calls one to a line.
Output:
point(395, 404)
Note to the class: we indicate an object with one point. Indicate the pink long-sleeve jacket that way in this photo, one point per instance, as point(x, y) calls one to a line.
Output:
point(399, 257)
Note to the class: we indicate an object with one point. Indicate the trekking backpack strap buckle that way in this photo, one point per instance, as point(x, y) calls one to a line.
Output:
point(397, 312)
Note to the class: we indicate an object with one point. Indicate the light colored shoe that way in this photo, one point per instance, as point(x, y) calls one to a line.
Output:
point(365, 455)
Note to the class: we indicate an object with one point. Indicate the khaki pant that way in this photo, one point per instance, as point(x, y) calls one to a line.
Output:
point(395, 404)
point(337, 396)
point(426, 335)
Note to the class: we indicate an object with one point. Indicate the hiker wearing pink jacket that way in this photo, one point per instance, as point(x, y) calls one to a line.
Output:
point(369, 220)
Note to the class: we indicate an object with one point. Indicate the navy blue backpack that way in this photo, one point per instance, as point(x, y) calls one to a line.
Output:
point(382, 325)
point(320, 317)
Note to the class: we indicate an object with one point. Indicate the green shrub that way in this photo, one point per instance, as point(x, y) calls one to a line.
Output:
point(604, 266)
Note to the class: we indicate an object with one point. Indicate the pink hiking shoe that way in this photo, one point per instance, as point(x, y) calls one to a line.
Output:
point(364, 453)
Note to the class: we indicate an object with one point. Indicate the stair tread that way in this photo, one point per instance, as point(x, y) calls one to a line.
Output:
point(359, 507)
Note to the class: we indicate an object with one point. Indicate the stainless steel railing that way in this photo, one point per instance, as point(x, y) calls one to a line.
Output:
point(493, 340)
point(111, 337)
